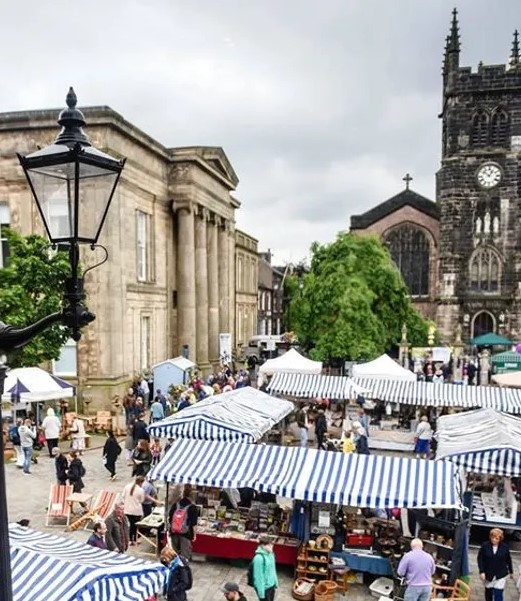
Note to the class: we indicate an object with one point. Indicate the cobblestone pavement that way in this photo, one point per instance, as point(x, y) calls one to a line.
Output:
point(28, 498)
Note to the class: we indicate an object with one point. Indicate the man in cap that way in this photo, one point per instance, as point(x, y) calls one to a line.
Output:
point(232, 593)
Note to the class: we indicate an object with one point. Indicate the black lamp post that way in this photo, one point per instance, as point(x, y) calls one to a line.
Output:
point(73, 184)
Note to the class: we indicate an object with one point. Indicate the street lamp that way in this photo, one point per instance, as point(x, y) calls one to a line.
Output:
point(73, 184)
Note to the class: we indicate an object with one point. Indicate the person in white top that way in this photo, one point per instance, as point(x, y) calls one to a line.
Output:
point(133, 498)
point(422, 438)
point(78, 435)
point(51, 427)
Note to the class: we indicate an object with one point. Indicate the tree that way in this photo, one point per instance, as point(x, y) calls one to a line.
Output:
point(354, 302)
point(31, 287)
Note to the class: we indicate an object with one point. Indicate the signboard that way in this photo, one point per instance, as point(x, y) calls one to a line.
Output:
point(225, 347)
point(271, 344)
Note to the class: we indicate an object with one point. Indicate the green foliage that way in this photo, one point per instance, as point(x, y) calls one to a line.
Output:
point(354, 302)
point(31, 287)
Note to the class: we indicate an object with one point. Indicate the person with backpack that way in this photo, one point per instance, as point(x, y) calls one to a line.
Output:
point(14, 437)
point(179, 578)
point(262, 574)
point(182, 518)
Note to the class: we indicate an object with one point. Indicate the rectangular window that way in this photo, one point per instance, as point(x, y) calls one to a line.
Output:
point(144, 355)
point(240, 274)
point(67, 364)
point(143, 246)
point(4, 224)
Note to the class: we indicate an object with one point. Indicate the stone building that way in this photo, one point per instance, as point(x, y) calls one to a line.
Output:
point(170, 235)
point(246, 286)
point(270, 309)
point(472, 235)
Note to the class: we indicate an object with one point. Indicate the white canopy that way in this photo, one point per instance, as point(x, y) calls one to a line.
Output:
point(484, 441)
point(29, 384)
point(291, 362)
point(382, 368)
point(512, 379)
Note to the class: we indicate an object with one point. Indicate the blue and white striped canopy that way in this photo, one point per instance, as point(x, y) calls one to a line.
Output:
point(46, 567)
point(313, 475)
point(442, 395)
point(484, 441)
point(244, 414)
point(308, 386)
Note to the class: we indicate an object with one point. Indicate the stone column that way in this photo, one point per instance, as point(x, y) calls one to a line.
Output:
point(232, 283)
point(213, 290)
point(201, 289)
point(224, 280)
point(186, 314)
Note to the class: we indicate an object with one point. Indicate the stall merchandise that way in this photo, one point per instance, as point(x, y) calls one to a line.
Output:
point(291, 362)
point(383, 368)
point(306, 386)
point(244, 415)
point(45, 566)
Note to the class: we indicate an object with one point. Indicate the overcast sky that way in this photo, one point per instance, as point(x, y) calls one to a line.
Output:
point(321, 106)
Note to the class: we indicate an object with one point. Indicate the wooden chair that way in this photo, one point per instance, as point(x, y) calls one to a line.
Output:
point(459, 591)
point(103, 421)
point(102, 507)
point(58, 508)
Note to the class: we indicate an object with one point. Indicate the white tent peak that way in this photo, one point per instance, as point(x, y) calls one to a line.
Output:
point(382, 368)
point(291, 362)
point(28, 384)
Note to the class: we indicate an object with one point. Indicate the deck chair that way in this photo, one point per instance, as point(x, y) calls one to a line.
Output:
point(459, 591)
point(102, 507)
point(58, 508)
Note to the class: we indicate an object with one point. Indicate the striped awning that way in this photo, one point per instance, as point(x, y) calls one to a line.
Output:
point(52, 568)
point(308, 386)
point(313, 475)
point(244, 414)
point(484, 441)
point(442, 395)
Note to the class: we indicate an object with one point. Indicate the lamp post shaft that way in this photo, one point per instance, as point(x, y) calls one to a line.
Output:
point(6, 586)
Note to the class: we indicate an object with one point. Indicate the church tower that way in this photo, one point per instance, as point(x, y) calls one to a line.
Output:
point(478, 192)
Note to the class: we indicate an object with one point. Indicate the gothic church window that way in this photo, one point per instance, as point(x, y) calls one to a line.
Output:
point(483, 323)
point(499, 128)
point(485, 270)
point(410, 250)
point(479, 129)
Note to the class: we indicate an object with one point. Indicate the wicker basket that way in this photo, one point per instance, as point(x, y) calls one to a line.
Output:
point(325, 590)
point(303, 597)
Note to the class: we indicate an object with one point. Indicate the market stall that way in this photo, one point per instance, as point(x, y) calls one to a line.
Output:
point(291, 362)
point(307, 386)
point(383, 368)
point(487, 444)
point(45, 566)
point(244, 414)
point(509, 361)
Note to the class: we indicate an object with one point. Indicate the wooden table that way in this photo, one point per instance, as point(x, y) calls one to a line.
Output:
point(145, 526)
point(83, 499)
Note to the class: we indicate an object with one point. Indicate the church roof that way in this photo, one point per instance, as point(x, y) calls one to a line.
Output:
point(406, 197)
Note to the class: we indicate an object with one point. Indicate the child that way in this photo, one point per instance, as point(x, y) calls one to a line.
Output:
point(155, 449)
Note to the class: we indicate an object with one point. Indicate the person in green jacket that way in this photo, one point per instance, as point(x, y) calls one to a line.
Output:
point(265, 580)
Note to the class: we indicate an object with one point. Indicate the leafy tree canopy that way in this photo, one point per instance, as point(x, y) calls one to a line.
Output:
point(31, 287)
point(354, 302)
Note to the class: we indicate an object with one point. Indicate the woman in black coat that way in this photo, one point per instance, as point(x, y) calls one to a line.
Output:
point(76, 472)
point(111, 452)
point(141, 458)
point(495, 564)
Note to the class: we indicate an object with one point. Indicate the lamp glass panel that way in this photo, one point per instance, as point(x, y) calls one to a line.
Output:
point(96, 187)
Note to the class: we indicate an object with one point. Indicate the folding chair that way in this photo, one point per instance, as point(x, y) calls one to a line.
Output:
point(102, 507)
point(58, 508)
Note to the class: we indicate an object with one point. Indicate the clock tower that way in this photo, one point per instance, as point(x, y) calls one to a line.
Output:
point(478, 192)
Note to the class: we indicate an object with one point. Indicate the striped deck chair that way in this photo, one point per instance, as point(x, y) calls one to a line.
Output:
point(102, 506)
point(58, 508)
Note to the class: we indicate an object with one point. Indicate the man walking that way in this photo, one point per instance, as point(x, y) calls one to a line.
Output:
point(232, 592)
point(265, 581)
point(117, 534)
point(418, 568)
point(27, 437)
point(303, 425)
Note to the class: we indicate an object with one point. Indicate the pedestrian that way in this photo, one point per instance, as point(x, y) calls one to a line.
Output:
point(139, 430)
point(133, 498)
point(117, 536)
point(348, 446)
point(303, 425)
point(168, 446)
point(14, 437)
point(265, 581)
point(494, 564)
point(162, 399)
point(360, 436)
point(321, 428)
point(150, 490)
point(182, 517)
point(417, 567)
point(179, 578)
point(155, 449)
point(76, 472)
point(129, 443)
point(111, 451)
point(232, 592)
point(78, 435)
point(157, 412)
point(97, 538)
point(51, 427)
point(141, 459)
point(422, 438)
point(363, 418)
point(61, 466)
point(27, 437)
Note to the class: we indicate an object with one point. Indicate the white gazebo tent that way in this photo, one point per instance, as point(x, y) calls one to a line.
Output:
point(382, 368)
point(512, 379)
point(291, 362)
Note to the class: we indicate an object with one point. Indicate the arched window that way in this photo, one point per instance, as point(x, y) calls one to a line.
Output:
point(479, 129)
point(499, 128)
point(485, 270)
point(483, 323)
point(410, 250)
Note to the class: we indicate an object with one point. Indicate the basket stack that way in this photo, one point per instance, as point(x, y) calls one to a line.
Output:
point(303, 589)
point(325, 590)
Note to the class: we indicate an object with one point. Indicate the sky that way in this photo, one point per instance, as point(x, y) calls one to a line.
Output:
point(322, 106)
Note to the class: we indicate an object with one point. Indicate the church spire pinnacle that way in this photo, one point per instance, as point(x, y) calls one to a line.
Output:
point(454, 44)
point(514, 55)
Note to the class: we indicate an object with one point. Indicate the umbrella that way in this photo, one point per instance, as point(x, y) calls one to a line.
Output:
point(490, 339)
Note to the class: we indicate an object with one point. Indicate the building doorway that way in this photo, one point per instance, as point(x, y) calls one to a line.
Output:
point(483, 323)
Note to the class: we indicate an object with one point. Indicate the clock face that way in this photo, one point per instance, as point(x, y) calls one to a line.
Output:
point(489, 175)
